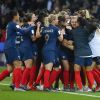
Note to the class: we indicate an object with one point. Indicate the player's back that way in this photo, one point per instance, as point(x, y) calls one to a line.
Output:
point(51, 34)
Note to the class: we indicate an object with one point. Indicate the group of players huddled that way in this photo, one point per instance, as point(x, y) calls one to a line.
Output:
point(43, 49)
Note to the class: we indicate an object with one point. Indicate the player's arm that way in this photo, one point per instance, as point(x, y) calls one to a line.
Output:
point(60, 37)
point(23, 31)
point(38, 30)
point(68, 44)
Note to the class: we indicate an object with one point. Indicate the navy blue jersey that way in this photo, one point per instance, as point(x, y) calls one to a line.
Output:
point(50, 34)
point(68, 35)
point(13, 33)
point(80, 36)
point(27, 42)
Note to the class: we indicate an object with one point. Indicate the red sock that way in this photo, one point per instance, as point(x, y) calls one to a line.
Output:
point(25, 76)
point(40, 75)
point(66, 77)
point(46, 78)
point(42, 81)
point(61, 76)
point(96, 77)
point(83, 77)
point(97, 71)
point(72, 79)
point(4, 74)
point(32, 75)
point(53, 76)
point(17, 75)
point(90, 77)
point(78, 79)
point(13, 77)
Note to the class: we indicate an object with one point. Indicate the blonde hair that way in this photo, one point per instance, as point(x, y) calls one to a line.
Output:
point(51, 17)
point(85, 13)
point(62, 13)
point(46, 21)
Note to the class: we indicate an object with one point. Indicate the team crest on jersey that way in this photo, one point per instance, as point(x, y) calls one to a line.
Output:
point(32, 31)
point(17, 26)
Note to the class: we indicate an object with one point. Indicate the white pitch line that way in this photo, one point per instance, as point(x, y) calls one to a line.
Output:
point(88, 95)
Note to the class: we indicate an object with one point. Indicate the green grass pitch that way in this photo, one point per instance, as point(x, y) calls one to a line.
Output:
point(7, 94)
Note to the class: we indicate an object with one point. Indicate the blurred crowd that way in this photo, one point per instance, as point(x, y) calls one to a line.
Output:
point(51, 5)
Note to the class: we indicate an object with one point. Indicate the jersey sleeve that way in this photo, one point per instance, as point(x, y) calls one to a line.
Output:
point(23, 31)
point(58, 31)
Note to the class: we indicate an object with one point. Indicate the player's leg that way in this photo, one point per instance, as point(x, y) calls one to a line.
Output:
point(88, 63)
point(77, 68)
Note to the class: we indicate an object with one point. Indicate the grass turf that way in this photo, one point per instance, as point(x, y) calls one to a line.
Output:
point(7, 94)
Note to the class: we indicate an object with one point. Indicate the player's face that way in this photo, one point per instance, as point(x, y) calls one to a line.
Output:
point(17, 17)
point(56, 21)
point(34, 18)
point(67, 19)
point(74, 23)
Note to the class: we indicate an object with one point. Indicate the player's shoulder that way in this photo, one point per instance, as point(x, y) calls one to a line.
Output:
point(55, 27)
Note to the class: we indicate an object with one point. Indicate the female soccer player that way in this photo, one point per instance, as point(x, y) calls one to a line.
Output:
point(82, 52)
point(51, 34)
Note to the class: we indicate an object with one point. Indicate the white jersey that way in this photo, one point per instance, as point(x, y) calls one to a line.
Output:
point(95, 45)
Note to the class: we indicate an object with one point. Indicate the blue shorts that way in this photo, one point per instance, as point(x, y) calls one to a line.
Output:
point(63, 55)
point(12, 54)
point(87, 61)
point(48, 56)
point(57, 59)
point(26, 53)
point(34, 50)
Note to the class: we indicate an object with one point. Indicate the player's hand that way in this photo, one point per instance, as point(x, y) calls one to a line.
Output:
point(70, 42)
point(38, 24)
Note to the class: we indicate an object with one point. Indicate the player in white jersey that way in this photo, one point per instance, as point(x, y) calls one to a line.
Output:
point(95, 46)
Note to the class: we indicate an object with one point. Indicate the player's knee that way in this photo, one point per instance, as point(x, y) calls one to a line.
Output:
point(76, 67)
point(89, 68)
point(17, 64)
point(29, 63)
point(49, 66)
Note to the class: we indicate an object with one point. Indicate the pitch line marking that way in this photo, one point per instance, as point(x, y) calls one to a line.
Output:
point(88, 95)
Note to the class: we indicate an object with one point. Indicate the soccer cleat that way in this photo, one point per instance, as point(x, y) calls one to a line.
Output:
point(80, 90)
point(23, 87)
point(94, 88)
point(39, 87)
point(12, 86)
point(72, 90)
point(86, 89)
point(35, 85)
point(47, 89)
point(67, 89)
point(18, 89)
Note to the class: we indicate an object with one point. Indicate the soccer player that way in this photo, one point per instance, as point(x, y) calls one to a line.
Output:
point(12, 43)
point(94, 45)
point(82, 52)
point(51, 33)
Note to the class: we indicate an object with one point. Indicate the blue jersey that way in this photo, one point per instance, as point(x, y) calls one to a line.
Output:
point(27, 42)
point(65, 53)
point(13, 33)
point(50, 34)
